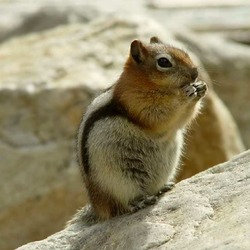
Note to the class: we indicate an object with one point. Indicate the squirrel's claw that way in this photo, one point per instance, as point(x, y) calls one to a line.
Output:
point(195, 89)
point(201, 88)
point(190, 90)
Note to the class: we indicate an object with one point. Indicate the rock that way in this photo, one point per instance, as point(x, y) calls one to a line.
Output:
point(228, 64)
point(207, 211)
point(39, 182)
point(23, 18)
point(202, 16)
point(242, 37)
point(179, 4)
point(47, 80)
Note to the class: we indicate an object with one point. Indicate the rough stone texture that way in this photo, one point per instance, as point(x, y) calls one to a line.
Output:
point(228, 63)
point(47, 79)
point(207, 211)
point(39, 182)
point(203, 16)
point(22, 17)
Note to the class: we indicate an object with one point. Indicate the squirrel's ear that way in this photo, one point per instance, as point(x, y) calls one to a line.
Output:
point(138, 51)
point(155, 39)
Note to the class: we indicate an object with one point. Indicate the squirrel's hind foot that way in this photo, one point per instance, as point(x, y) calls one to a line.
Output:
point(143, 203)
point(149, 200)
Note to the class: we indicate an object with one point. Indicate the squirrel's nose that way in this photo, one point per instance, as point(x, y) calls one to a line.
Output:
point(194, 73)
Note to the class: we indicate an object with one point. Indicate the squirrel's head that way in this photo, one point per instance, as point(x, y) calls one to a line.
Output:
point(161, 64)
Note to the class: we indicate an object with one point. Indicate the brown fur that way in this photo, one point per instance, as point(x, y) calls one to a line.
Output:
point(103, 204)
point(154, 99)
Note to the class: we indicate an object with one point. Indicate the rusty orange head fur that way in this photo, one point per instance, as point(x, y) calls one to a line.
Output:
point(160, 64)
point(152, 76)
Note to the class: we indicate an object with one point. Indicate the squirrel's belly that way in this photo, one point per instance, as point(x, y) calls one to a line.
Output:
point(126, 163)
point(167, 168)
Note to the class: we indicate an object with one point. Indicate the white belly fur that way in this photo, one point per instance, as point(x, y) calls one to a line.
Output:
point(114, 139)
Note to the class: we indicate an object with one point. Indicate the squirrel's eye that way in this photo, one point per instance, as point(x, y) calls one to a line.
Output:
point(163, 62)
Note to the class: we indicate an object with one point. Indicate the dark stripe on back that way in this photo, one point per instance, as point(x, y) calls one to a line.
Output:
point(111, 109)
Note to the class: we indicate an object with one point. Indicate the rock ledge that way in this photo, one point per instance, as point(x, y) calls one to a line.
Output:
point(207, 211)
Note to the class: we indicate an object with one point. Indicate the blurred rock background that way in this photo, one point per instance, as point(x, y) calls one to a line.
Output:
point(54, 57)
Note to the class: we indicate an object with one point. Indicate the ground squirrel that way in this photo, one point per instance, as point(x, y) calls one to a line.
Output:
point(131, 136)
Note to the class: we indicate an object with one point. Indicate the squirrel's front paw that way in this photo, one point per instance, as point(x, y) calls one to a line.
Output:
point(196, 89)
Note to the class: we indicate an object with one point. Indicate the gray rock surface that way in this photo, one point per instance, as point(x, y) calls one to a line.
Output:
point(39, 182)
point(208, 211)
point(20, 17)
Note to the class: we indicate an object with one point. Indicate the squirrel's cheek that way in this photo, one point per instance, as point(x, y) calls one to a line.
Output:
point(160, 80)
